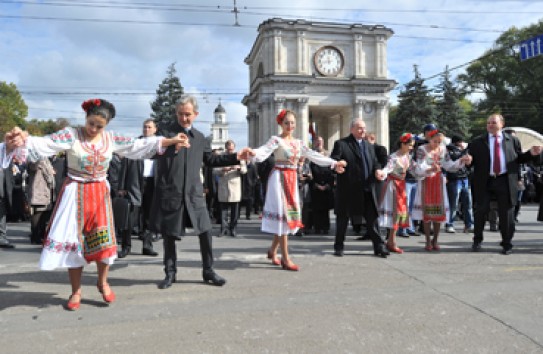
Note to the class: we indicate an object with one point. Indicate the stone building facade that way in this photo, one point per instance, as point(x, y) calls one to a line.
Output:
point(328, 73)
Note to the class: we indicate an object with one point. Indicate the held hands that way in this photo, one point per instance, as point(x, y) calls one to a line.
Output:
point(245, 154)
point(181, 140)
point(466, 159)
point(340, 166)
point(380, 175)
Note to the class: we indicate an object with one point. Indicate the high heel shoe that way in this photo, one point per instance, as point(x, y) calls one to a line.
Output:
point(291, 266)
point(74, 305)
point(395, 249)
point(109, 298)
point(275, 260)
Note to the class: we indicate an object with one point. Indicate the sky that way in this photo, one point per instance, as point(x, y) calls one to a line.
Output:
point(61, 52)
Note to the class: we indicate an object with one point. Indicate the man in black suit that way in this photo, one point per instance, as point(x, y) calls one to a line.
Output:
point(355, 192)
point(179, 198)
point(6, 186)
point(495, 157)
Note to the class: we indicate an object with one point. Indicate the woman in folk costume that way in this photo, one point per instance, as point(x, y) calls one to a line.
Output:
point(282, 213)
point(431, 202)
point(393, 208)
point(81, 228)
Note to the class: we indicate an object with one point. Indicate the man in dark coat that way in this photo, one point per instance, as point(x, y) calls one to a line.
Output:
point(6, 186)
point(495, 174)
point(355, 194)
point(179, 194)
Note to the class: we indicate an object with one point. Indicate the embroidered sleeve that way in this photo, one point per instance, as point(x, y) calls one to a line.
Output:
point(38, 147)
point(317, 158)
point(136, 148)
point(263, 152)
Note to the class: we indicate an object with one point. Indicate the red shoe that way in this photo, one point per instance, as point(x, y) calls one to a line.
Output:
point(275, 260)
point(395, 249)
point(289, 266)
point(73, 305)
point(109, 298)
point(435, 246)
point(428, 248)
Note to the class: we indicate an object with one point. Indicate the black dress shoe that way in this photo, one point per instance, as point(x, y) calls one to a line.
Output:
point(223, 233)
point(167, 282)
point(124, 252)
point(6, 244)
point(383, 253)
point(476, 247)
point(233, 233)
point(149, 252)
point(507, 251)
point(338, 253)
point(213, 278)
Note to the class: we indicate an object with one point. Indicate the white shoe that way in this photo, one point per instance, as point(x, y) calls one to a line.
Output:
point(450, 229)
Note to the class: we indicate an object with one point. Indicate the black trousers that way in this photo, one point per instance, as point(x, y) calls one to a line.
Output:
point(498, 189)
point(234, 215)
point(38, 224)
point(372, 225)
point(170, 252)
point(147, 201)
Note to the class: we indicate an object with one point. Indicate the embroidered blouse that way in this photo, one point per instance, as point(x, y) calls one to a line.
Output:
point(398, 165)
point(426, 158)
point(288, 152)
point(86, 161)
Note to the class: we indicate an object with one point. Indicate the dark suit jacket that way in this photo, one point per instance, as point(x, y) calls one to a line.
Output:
point(350, 187)
point(480, 151)
point(178, 188)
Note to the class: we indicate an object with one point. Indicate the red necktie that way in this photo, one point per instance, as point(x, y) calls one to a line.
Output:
point(496, 168)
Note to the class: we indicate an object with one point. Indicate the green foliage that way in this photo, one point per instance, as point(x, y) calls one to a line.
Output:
point(452, 118)
point(167, 94)
point(415, 108)
point(13, 109)
point(510, 86)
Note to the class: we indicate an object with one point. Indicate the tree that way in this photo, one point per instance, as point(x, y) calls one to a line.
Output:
point(167, 94)
point(451, 115)
point(415, 108)
point(13, 109)
point(511, 87)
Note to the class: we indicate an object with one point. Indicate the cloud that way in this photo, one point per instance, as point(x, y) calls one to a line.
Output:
point(57, 64)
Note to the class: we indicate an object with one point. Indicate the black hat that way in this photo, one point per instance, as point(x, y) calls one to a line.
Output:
point(429, 127)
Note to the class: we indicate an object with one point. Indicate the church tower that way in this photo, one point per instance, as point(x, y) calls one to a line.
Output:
point(219, 128)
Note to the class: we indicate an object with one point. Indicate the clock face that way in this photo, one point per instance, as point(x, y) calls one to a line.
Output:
point(329, 61)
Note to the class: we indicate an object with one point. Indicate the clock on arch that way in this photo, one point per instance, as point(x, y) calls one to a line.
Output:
point(329, 61)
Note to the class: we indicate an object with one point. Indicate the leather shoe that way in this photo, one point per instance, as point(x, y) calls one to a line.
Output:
point(149, 252)
point(167, 282)
point(507, 251)
point(124, 252)
point(223, 233)
point(476, 247)
point(383, 253)
point(233, 233)
point(338, 253)
point(211, 277)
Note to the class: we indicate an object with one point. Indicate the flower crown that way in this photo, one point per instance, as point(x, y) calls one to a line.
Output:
point(406, 137)
point(431, 133)
point(88, 104)
point(281, 116)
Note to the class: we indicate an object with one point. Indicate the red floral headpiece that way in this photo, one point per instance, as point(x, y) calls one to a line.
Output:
point(406, 137)
point(281, 116)
point(89, 103)
point(431, 133)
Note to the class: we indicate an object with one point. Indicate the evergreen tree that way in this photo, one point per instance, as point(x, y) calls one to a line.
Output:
point(451, 116)
point(415, 108)
point(167, 94)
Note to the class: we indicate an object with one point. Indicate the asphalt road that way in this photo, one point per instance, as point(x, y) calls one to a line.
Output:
point(424, 302)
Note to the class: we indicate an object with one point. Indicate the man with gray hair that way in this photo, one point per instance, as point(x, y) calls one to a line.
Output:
point(355, 192)
point(179, 199)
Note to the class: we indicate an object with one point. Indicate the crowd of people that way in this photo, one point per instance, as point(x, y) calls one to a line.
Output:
point(87, 190)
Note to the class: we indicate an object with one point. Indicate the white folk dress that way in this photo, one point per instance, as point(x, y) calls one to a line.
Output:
point(81, 228)
point(393, 210)
point(431, 203)
point(281, 214)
